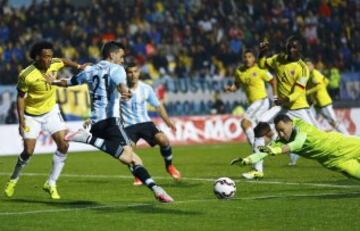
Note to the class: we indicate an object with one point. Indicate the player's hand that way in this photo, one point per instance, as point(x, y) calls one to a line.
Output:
point(21, 129)
point(171, 125)
point(270, 150)
point(264, 46)
point(278, 102)
point(87, 124)
point(84, 65)
point(126, 95)
point(240, 161)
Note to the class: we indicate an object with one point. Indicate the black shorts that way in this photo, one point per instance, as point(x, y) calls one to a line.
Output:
point(146, 131)
point(111, 130)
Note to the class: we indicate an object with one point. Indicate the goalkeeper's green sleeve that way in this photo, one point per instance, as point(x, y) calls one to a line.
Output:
point(256, 157)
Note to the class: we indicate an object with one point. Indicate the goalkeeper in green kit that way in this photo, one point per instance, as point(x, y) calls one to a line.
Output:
point(332, 150)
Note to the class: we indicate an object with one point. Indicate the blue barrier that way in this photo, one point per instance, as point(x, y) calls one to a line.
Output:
point(350, 86)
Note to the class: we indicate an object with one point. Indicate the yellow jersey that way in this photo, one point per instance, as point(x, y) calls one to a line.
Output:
point(40, 96)
point(252, 80)
point(317, 89)
point(289, 74)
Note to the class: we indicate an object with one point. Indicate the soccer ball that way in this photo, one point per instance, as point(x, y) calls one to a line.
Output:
point(224, 188)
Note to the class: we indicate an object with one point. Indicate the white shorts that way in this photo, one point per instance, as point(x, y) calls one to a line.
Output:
point(303, 114)
point(257, 109)
point(328, 113)
point(50, 122)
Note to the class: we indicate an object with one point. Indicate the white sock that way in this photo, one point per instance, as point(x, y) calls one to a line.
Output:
point(250, 135)
point(259, 141)
point(57, 166)
point(293, 158)
point(258, 166)
point(341, 128)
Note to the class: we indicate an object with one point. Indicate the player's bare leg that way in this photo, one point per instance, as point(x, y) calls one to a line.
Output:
point(23, 159)
point(126, 155)
point(166, 152)
point(248, 129)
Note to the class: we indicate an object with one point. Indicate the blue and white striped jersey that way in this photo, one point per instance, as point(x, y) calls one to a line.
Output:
point(134, 110)
point(102, 80)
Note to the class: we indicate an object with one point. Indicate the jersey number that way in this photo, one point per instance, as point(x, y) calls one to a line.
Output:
point(96, 84)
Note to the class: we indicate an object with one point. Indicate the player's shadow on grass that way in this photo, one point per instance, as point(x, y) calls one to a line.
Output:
point(147, 209)
point(92, 181)
point(56, 203)
point(181, 184)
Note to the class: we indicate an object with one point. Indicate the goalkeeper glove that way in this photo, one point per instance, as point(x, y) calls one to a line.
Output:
point(270, 150)
point(251, 159)
point(240, 161)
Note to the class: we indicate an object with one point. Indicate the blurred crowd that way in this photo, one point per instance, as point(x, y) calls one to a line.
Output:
point(181, 38)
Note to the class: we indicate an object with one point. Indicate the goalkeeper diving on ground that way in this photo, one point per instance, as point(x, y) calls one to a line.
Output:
point(332, 150)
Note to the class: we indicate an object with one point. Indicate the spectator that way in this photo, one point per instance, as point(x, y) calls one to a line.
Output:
point(183, 37)
point(11, 117)
point(218, 106)
point(334, 83)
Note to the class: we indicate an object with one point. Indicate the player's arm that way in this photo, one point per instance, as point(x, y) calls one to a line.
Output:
point(316, 81)
point(268, 77)
point(298, 90)
point(22, 89)
point(70, 63)
point(275, 148)
point(60, 83)
point(281, 148)
point(124, 91)
point(73, 81)
point(154, 101)
point(264, 61)
point(20, 105)
point(118, 77)
point(78, 79)
point(165, 117)
point(299, 87)
point(314, 89)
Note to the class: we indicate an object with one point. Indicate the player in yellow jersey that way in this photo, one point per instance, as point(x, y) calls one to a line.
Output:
point(252, 80)
point(37, 110)
point(292, 75)
point(317, 90)
point(332, 150)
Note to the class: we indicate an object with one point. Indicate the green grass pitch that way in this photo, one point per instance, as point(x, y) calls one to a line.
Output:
point(97, 194)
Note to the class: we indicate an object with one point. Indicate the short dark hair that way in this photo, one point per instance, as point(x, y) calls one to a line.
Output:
point(294, 38)
point(110, 47)
point(250, 51)
point(261, 129)
point(130, 64)
point(282, 117)
point(38, 47)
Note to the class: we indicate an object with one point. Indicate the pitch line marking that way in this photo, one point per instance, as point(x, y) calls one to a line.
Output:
point(194, 179)
point(284, 196)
